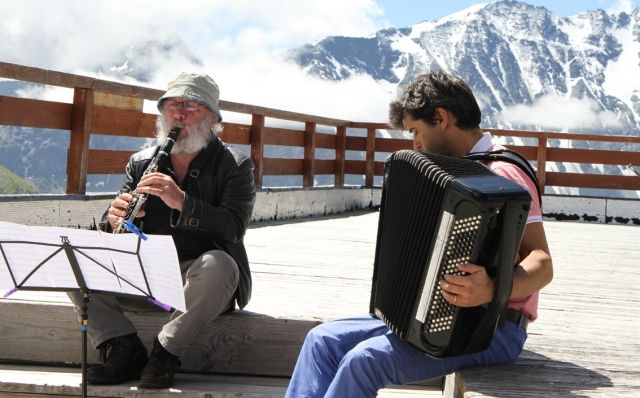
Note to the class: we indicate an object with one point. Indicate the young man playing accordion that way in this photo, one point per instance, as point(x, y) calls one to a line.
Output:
point(356, 357)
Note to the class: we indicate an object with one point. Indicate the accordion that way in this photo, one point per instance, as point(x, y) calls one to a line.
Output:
point(436, 212)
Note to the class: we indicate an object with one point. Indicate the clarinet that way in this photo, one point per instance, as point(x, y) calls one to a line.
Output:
point(138, 201)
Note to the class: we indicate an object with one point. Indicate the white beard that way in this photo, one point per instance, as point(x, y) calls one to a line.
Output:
point(198, 137)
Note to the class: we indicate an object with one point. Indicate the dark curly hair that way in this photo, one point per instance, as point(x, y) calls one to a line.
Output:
point(433, 90)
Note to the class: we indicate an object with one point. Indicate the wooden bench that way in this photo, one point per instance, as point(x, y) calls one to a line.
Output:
point(242, 354)
point(242, 342)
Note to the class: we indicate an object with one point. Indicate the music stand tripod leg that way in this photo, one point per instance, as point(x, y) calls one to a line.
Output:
point(85, 327)
point(73, 262)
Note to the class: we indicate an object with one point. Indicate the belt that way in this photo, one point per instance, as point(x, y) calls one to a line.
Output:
point(518, 317)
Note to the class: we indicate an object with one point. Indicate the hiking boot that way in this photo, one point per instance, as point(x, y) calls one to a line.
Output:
point(123, 359)
point(161, 368)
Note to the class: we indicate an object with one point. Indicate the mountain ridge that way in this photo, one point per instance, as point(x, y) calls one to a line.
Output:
point(11, 184)
point(511, 53)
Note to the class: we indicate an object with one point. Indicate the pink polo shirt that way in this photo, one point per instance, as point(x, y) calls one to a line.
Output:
point(528, 304)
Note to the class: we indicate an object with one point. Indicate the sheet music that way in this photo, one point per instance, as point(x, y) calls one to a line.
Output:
point(108, 262)
point(94, 273)
point(161, 265)
point(8, 230)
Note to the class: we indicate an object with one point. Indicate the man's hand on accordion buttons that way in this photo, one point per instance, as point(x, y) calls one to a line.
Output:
point(475, 288)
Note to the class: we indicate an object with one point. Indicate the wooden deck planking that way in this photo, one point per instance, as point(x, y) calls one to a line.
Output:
point(319, 268)
point(583, 345)
point(17, 381)
point(585, 342)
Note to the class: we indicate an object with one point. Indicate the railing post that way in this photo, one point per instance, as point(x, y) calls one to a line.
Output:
point(341, 146)
point(309, 154)
point(542, 161)
point(78, 155)
point(370, 159)
point(257, 148)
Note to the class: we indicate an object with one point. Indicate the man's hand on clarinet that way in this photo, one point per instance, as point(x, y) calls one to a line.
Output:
point(475, 288)
point(162, 186)
point(118, 209)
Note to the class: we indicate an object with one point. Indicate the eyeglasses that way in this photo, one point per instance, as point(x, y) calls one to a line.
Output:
point(188, 106)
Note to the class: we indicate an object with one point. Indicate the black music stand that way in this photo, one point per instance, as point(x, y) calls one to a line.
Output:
point(15, 250)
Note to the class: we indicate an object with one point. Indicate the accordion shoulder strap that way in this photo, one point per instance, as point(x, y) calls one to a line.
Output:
point(510, 156)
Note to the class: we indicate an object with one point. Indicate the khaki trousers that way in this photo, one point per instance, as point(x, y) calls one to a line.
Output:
point(210, 282)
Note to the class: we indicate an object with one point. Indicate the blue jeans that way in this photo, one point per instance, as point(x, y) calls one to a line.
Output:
point(356, 357)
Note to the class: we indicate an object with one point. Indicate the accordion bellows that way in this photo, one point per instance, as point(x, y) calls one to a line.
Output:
point(436, 212)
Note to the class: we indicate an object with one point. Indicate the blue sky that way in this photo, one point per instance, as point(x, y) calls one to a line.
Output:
point(402, 13)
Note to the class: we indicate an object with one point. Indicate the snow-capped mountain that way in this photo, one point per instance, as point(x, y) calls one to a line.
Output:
point(511, 54)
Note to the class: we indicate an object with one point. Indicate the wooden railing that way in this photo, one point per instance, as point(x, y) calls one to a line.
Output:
point(110, 108)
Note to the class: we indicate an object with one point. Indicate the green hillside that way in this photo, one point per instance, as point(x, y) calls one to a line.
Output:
point(12, 184)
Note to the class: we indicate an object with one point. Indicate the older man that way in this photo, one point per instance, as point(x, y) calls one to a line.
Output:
point(203, 198)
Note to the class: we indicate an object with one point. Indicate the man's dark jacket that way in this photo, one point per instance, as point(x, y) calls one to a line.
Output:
point(220, 194)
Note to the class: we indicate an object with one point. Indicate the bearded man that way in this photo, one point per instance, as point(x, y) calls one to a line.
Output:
point(203, 198)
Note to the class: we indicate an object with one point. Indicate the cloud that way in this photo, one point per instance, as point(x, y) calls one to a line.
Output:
point(239, 42)
point(272, 82)
point(621, 6)
point(563, 113)
point(69, 33)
